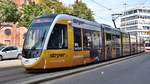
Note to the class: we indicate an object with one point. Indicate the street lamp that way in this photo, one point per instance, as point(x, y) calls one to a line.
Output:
point(114, 17)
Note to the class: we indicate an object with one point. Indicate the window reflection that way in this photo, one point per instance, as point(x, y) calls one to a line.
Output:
point(58, 38)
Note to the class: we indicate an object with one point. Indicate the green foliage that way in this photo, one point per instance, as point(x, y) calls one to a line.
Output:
point(8, 11)
point(29, 12)
point(44, 4)
point(80, 9)
point(54, 6)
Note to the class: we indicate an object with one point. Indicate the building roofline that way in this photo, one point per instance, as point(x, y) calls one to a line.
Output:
point(137, 7)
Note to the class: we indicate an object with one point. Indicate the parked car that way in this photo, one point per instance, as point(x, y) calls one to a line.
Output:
point(7, 52)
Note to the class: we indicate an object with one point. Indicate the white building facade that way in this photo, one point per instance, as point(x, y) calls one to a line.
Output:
point(136, 21)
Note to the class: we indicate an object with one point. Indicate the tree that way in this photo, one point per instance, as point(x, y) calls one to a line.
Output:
point(80, 9)
point(29, 12)
point(54, 6)
point(32, 10)
point(8, 11)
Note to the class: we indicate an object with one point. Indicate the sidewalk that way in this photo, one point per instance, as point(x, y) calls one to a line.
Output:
point(10, 63)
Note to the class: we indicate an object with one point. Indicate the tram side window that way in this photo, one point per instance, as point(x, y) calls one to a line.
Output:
point(115, 41)
point(96, 40)
point(77, 39)
point(118, 41)
point(58, 38)
point(108, 36)
point(87, 39)
point(108, 39)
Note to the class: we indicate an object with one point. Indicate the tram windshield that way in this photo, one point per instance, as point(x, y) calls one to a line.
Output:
point(35, 37)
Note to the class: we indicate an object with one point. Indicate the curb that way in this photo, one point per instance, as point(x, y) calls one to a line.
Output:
point(48, 77)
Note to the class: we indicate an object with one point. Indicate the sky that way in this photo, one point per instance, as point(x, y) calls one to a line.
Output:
point(103, 9)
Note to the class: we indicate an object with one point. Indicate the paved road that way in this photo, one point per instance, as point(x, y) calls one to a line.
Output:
point(11, 71)
point(12, 74)
point(17, 74)
point(132, 71)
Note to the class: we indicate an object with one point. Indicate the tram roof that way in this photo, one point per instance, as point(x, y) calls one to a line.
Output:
point(81, 23)
point(48, 16)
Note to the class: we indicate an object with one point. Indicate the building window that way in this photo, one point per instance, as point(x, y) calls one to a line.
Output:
point(132, 28)
point(135, 11)
point(129, 18)
point(7, 32)
point(129, 23)
point(143, 11)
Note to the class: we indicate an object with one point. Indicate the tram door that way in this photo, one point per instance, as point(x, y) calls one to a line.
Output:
point(78, 55)
point(59, 49)
point(112, 46)
point(96, 50)
point(86, 46)
point(116, 46)
point(126, 44)
point(108, 46)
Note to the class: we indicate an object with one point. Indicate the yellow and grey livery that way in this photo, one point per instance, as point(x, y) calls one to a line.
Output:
point(60, 40)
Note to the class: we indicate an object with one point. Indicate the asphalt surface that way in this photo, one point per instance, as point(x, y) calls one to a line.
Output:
point(105, 75)
point(131, 71)
point(18, 75)
point(12, 74)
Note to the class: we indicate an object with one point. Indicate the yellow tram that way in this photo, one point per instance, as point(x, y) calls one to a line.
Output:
point(60, 40)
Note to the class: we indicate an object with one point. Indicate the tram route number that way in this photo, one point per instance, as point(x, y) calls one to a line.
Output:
point(57, 55)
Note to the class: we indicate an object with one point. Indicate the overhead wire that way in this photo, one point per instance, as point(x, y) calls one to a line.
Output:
point(100, 10)
point(101, 5)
